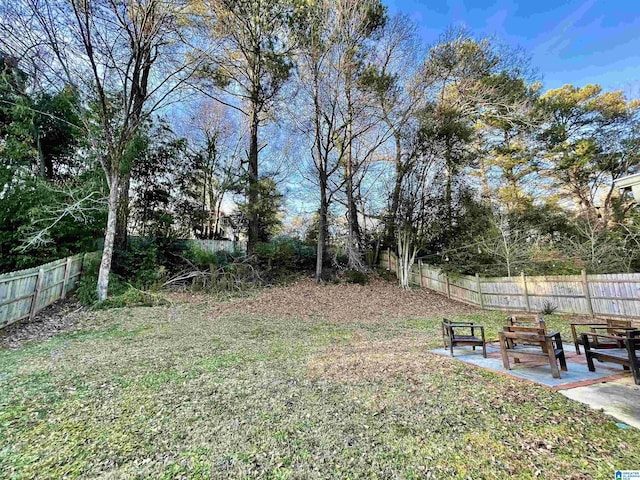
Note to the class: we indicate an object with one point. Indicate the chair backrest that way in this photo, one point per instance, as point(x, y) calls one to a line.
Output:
point(525, 333)
point(534, 320)
point(618, 323)
point(617, 326)
point(525, 338)
point(446, 326)
point(526, 323)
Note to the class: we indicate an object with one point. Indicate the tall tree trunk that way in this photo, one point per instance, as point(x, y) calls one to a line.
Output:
point(406, 257)
point(109, 237)
point(354, 238)
point(321, 166)
point(122, 217)
point(395, 196)
point(322, 229)
point(254, 221)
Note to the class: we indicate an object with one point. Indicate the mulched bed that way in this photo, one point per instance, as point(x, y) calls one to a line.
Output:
point(340, 303)
point(62, 316)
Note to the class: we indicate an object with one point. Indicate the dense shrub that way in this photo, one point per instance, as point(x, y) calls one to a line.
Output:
point(206, 259)
point(356, 276)
point(285, 256)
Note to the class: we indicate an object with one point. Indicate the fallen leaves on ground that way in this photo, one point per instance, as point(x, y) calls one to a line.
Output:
point(344, 303)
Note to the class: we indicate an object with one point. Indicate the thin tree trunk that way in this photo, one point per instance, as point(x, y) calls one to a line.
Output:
point(395, 197)
point(254, 221)
point(322, 232)
point(122, 218)
point(321, 166)
point(109, 238)
point(406, 257)
point(354, 237)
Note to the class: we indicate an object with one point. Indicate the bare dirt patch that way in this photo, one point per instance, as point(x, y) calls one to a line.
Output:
point(344, 303)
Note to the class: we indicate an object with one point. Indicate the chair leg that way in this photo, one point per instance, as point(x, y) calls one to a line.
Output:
point(590, 365)
point(635, 369)
point(576, 342)
point(451, 347)
point(563, 362)
point(484, 349)
point(553, 361)
point(505, 357)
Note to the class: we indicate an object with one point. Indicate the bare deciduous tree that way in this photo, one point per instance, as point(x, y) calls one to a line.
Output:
point(125, 58)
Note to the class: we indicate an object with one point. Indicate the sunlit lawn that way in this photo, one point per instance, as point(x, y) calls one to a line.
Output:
point(169, 392)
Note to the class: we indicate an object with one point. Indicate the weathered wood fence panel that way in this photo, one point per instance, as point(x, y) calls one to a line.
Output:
point(25, 292)
point(612, 295)
point(219, 245)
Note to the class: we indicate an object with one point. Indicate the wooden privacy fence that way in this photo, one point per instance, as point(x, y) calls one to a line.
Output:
point(614, 295)
point(25, 292)
point(214, 246)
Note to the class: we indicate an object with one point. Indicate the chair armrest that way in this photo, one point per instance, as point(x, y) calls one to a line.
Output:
point(466, 327)
point(555, 336)
point(607, 328)
point(588, 324)
point(596, 336)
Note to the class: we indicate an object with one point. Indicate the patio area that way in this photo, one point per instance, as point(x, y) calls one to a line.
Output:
point(609, 388)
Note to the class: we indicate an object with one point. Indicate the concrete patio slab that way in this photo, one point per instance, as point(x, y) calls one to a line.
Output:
point(577, 374)
point(620, 399)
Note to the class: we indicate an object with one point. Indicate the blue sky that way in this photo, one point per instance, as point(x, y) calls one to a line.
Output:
point(570, 41)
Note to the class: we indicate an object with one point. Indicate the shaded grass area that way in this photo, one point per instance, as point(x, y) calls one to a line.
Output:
point(169, 392)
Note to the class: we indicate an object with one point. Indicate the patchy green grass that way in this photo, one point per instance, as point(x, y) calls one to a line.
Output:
point(169, 392)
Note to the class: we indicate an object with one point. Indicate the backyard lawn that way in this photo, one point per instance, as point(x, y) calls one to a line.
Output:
point(302, 381)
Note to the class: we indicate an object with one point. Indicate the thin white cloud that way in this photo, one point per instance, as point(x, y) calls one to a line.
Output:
point(554, 41)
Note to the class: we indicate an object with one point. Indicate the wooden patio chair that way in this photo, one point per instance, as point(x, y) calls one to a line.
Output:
point(533, 345)
point(526, 320)
point(609, 326)
point(452, 336)
point(627, 355)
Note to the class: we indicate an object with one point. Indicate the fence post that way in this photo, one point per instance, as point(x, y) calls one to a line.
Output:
point(36, 294)
point(479, 284)
point(448, 285)
point(524, 289)
point(587, 294)
point(67, 273)
point(420, 271)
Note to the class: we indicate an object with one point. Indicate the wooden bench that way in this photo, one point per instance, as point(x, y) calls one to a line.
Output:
point(452, 338)
point(626, 355)
point(533, 345)
point(609, 326)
